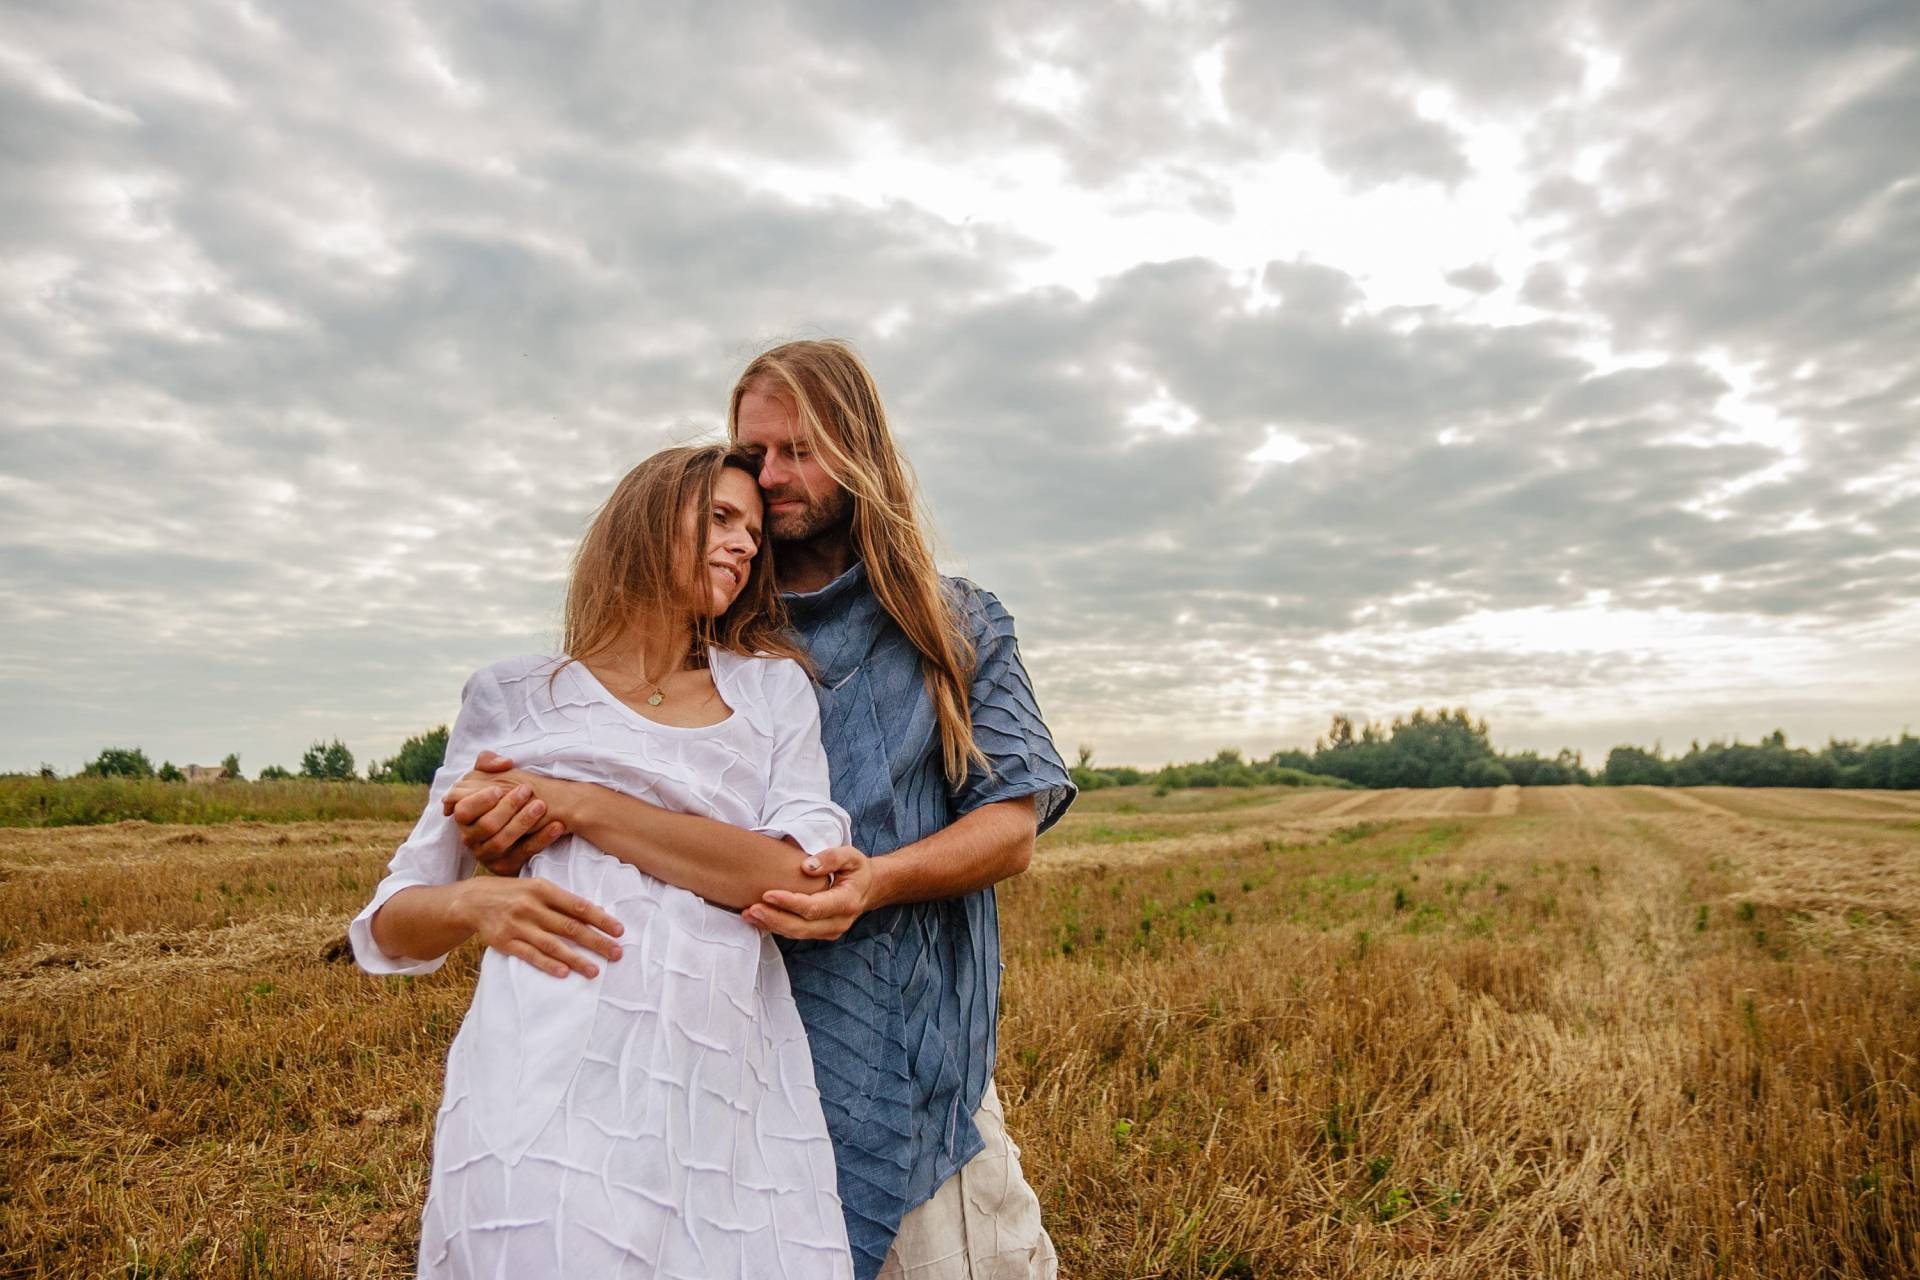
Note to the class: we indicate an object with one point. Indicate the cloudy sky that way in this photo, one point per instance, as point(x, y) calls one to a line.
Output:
point(1557, 359)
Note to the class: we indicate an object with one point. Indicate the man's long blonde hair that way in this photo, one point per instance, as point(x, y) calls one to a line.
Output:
point(841, 419)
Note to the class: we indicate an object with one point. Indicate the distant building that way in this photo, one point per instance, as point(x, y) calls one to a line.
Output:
point(206, 773)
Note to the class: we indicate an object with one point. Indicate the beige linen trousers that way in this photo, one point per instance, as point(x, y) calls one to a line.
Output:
point(983, 1223)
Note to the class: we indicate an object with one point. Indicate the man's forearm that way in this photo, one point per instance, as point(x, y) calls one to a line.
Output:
point(982, 849)
point(987, 846)
point(726, 865)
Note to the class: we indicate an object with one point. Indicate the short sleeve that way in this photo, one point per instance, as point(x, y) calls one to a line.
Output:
point(1021, 758)
point(799, 802)
point(433, 853)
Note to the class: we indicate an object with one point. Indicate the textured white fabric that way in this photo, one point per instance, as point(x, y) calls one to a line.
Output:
point(660, 1119)
point(983, 1223)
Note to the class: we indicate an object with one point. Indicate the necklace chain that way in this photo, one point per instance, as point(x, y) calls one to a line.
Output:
point(659, 687)
point(659, 694)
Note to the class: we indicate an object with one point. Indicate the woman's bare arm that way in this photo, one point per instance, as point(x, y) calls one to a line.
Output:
point(728, 866)
point(533, 919)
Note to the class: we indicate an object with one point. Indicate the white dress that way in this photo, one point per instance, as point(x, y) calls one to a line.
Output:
point(660, 1119)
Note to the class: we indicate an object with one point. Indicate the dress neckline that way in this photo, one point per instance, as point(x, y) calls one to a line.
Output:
point(714, 664)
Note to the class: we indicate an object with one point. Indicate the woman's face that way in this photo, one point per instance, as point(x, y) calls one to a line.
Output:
point(732, 536)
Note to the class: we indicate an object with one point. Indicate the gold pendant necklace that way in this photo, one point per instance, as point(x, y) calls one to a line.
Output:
point(659, 694)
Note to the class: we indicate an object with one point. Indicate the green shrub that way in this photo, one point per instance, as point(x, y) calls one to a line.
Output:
point(120, 762)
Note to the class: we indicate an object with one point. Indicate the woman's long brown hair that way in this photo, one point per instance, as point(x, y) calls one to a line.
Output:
point(841, 417)
point(644, 558)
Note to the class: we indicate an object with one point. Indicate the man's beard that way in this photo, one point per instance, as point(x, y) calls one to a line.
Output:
point(831, 512)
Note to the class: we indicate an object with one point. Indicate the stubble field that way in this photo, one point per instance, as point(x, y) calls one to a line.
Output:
point(1563, 1032)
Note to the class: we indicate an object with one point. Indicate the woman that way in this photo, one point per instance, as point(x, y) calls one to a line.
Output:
point(653, 1114)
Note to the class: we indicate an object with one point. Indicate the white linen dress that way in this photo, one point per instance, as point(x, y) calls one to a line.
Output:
point(660, 1119)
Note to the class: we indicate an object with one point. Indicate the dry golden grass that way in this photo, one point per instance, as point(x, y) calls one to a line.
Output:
point(1246, 1036)
point(1796, 802)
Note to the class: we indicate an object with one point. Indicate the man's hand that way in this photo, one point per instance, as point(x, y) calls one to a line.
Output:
point(499, 814)
point(827, 913)
point(535, 920)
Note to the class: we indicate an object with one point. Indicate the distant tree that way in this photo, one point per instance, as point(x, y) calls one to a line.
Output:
point(329, 760)
point(168, 773)
point(1529, 770)
point(1094, 778)
point(1083, 774)
point(419, 759)
point(120, 762)
point(48, 773)
point(1340, 733)
point(1485, 773)
point(1631, 766)
point(1891, 764)
point(274, 773)
point(1228, 768)
point(1450, 748)
point(232, 765)
point(1422, 750)
point(1434, 751)
point(1768, 763)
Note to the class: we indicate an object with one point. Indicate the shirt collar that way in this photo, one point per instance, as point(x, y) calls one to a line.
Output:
point(810, 605)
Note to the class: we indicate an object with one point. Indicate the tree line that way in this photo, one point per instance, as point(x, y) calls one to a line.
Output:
point(1449, 748)
point(1882, 765)
point(1445, 748)
point(419, 758)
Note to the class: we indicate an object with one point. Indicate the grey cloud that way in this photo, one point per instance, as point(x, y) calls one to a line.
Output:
point(1546, 287)
point(1311, 288)
point(1627, 392)
point(1143, 528)
point(1401, 148)
point(406, 446)
point(1783, 221)
point(1331, 71)
point(1475, 278)
point(311, 364)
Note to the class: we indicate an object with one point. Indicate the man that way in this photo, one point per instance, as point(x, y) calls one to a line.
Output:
point(938, 752)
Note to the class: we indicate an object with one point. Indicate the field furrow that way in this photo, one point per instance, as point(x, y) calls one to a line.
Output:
point(1348, 802)
point(1548, 801)
point(1785, 802)
point(1688, 801)
point(1898, 802)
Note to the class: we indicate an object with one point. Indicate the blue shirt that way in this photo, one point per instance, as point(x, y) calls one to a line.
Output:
point(901, 1012)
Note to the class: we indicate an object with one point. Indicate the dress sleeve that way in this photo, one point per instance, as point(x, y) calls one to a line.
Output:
point(799, 802)
point(1021, 758)
point(433, 854)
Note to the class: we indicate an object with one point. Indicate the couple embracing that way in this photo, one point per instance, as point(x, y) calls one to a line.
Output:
point(772, 718)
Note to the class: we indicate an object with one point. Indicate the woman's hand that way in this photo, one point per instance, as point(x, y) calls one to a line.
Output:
point(490, 773)
point(499, 811)
point(537, 921)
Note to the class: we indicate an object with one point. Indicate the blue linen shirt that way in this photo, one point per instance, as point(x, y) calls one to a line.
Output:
point(902, 1011)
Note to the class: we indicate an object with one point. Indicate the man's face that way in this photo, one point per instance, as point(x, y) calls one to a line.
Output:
point(803, 501)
